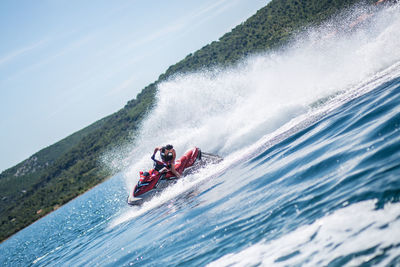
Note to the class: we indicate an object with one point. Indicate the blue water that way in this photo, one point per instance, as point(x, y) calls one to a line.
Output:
point(315, 183)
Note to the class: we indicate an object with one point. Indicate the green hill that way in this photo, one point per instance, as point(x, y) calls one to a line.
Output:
point(62, 171)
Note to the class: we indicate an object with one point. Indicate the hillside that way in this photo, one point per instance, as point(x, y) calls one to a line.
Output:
point(60, 172)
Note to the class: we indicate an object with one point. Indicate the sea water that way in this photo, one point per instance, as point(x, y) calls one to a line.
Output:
point(311, 171)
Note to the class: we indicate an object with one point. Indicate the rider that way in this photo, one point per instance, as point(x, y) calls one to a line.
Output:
point(168, 156)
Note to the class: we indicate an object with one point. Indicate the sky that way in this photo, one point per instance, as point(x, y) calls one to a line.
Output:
point(65, 64)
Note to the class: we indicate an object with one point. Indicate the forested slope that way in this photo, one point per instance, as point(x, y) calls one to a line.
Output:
point(60, 172)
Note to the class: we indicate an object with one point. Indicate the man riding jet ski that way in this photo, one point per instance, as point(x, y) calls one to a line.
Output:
point(167, 171)
point(168, 155)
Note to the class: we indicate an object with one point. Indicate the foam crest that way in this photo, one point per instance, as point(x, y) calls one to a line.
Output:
point(182, 186)
point(352, 229)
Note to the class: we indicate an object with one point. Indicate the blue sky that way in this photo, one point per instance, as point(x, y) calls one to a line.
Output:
point(65, 64)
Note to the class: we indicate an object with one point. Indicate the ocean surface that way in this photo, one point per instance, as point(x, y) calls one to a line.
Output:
point(310, 137)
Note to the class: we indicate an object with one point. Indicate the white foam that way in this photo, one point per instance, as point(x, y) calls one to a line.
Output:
point(45, 255)
point(349, 230)
point(239, 109)
point(169, 193)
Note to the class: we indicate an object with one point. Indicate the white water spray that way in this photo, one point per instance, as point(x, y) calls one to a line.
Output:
point(223, 111)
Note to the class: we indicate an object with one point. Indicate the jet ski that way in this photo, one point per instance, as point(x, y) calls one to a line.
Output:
point(158, 178)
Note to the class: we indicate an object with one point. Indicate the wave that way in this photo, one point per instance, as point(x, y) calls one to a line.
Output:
point(358, 229)
point(231, 110)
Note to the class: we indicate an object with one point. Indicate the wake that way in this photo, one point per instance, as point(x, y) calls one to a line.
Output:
point(239, 111)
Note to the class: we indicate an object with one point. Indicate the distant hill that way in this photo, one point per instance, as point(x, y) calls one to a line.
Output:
point(68, 168)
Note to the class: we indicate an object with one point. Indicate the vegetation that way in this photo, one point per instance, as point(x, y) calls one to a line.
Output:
point(60, 172)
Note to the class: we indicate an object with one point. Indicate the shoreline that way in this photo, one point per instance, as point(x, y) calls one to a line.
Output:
point(60, 206)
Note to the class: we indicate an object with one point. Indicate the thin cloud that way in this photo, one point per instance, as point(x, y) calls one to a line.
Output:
point(15, 54)
point(123, 86)
point(179, 26)
point(216, 7)
point(165, 31)
point(76, 44)
point(203, 15)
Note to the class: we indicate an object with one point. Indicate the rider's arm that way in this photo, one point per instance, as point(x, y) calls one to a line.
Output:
point(173, 156)
point(155, 151)
point(173, 164)
point(174, 171)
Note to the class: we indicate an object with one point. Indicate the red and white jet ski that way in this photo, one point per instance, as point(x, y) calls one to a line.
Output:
point(157, 179)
